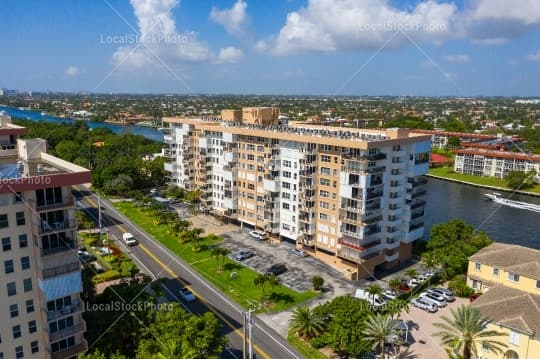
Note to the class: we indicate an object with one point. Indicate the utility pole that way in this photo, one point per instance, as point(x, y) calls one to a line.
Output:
point(99, 216)
point(248, 346)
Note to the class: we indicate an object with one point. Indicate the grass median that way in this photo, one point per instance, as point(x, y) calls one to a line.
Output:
point(235, 279)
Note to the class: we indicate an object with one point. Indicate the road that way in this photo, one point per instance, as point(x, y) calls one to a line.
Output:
point(158, 262)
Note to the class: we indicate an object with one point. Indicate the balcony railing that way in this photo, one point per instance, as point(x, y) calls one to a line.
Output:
point(49, 227)
point(418, 204)
point(67, 245)
point(71, 351)
point(51, 204)
point(81, 327)
point(412, 227)
point(61, 269)
point(417, 215)
point(419, 193)
point(75, 307)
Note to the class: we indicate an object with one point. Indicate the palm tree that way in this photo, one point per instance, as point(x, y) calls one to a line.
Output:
point(220, 253)
point(373, 290)
point(380, 331)
point(394, 284)
point(306, 323)
point(263, 279)
point(411, 273)
point(394, 307)
point(466, 330)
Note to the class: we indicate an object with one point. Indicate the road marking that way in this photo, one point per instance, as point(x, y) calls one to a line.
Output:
point(177, 278)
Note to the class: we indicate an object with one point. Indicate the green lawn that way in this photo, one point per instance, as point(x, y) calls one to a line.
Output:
point(304, 348)
point(239, 287)
point(448, 172)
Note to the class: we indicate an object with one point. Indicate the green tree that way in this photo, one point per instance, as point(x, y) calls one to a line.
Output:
point(264, 279)
point(465, 331)
point(374, 290)
point(394, 284)
point(174, 333)
point(306, 323)
point(220, 253)
point(411, 273)
point(317, 282)
point(394, 307)
point(379, 331)
point(453, 142)
point(99, 355)
point(520, 179)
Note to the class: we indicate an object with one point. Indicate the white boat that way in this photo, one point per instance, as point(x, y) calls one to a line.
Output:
point(497, 198)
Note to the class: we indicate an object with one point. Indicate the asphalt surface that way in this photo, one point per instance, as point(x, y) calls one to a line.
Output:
point(158, 262)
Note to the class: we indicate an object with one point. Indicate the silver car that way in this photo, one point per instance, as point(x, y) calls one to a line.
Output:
point(438, 300)
point(445, 293)
point(424, 305)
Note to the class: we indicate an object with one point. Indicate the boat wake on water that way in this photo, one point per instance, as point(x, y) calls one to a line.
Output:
point(497, 198)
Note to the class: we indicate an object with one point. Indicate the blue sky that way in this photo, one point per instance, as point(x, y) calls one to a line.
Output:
point(359, 47)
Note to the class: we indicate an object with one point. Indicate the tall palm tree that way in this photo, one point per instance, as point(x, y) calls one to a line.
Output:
point(394, 284)
point(373, 290)
point(306, 323)
point(466, 330)
point(220, 253)
point(263, 279)
point(379, 331)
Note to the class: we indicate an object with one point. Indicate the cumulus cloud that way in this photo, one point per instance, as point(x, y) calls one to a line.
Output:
point(229, 54)
point(234, 20)
point(331, 25)
point(158, 37)
point(458, 59)
point(72, 71)
point(534, 56)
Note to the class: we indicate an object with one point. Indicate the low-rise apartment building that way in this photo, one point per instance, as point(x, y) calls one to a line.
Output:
point(491, 163)
point(509, 278)
point(351, 198)
point(41, 315)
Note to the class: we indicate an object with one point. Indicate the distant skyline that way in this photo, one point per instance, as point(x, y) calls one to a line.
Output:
point(289, 47)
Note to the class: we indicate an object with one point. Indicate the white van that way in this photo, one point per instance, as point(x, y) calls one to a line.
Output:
point(129, 239)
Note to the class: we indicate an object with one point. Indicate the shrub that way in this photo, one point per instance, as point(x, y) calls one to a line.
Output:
point(128, 268)
point(104, 277)
point(317, 282)
point(319, 342)
point(461, 289)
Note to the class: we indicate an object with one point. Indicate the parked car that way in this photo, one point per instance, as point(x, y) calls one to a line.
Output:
point(375, 301)
point(186, 295)
point(387, 297)
point(258, 235)
point(446, 293)
point(422, 277)
point(129, 239)
point(277, 269)
point(438, 300)
point(390, 294)
point(424, 305)
point(413, 282)
point(243, 254)
point(298, 252)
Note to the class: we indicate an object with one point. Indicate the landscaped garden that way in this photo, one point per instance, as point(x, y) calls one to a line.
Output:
point(203, 253)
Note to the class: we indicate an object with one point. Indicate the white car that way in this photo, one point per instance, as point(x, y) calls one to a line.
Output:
point(445, 293)
point(258, 235)
point(413, 282)
point(299, 252)
point(129, 239)
point(389, 294)
point(424, 305)
point(439, 301)
point(186, 295)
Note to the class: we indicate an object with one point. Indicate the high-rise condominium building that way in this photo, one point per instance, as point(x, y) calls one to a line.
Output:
point(350, 197)
point(40, 286)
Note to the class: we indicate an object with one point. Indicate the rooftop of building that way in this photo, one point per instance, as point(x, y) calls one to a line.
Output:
point(9, 128)
point(511, 258)
point(311, 131)
point(511, 308)
point(498, 154)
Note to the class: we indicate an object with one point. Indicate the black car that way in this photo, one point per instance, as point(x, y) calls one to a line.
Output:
point(277, 269)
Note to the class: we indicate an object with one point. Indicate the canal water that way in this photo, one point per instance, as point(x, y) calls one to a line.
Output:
point(445, 200)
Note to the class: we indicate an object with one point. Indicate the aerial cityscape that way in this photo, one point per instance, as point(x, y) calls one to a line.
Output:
point(288, 179)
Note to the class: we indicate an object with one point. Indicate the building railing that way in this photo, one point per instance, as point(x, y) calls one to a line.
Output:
point(418, 204)
point(71, 351)
point(412, 227)
point(48, 227)
point(75, 307)
point(48, 205)
point(68, 331)
point(61, 269)
point(67, 245)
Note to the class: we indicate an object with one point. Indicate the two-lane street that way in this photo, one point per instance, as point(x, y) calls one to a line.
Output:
point(157, 261)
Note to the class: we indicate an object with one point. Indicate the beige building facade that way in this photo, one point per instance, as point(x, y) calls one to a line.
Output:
point(353, 199)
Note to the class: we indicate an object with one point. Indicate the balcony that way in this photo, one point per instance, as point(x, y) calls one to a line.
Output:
point(361, 220)
point(417, 215)
point(65, 245)
point(73, 266)
point(168, 139)
point(392, 243)
point(418, 182)
point(368, 196)
point(49, 205)
point(69, 331)
point(415, 226)
point(419, 193)
point(391, 257)
point(359, 254)
point(75, 307)
point(71, 351)
point(418, 204)
point(65, 225)
point(362, 170)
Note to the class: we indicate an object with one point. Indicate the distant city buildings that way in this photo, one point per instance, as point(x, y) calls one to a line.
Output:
point(40, 304)
point(352, 198)
point(509, 278)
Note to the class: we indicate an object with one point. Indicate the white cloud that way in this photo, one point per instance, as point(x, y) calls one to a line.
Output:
point(229, 54)
point(332, 25)
point(234, 19)
point(534, 56)
point(458, 59)
point(72, 71)
point(158, 39)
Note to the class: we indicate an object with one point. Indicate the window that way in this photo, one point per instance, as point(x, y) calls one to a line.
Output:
point(477, 266)
point(285, 195)
point(326, 158)
point(14, 310)
point(16, 331)
point(324, 182)
point(285, 205)
point(63, 344)
point(514, 338)
point(325, 171)
point(6, 244)
point(475, 284)
point(495, 272)
point(513, 277)
point(4, 221)
point(323, 216)
point(32, 326)
point(19, 353)
point(34, 347)
point(11, 289)
point(25, 263)
point(18, 197)
point(286, 164)
point(324, 194)
point(324, 205)
point(30, 306)
point(23, 241)
point(286, 174)
point(20, 218)
point(286, 185)
point(538, 284)
point(8, 266)
point(27, 284)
